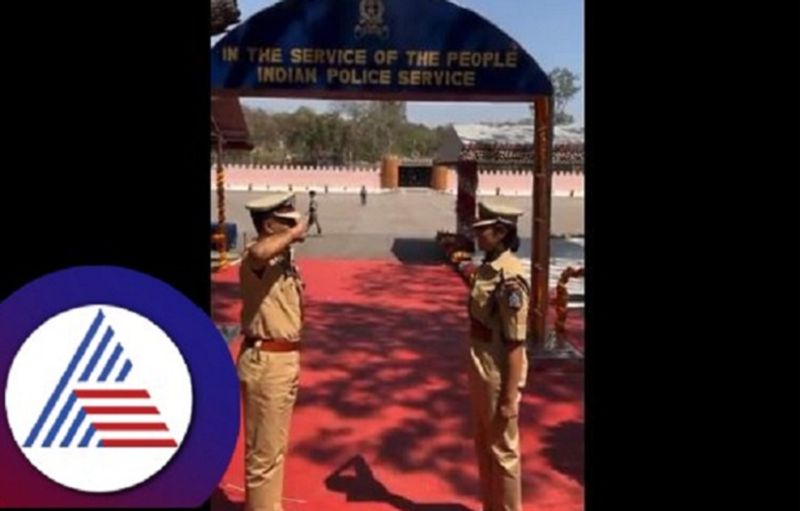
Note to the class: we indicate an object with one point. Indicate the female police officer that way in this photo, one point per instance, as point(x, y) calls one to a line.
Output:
point(498, 309)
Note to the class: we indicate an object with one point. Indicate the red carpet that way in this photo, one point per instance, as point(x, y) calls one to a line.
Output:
point(383, 379)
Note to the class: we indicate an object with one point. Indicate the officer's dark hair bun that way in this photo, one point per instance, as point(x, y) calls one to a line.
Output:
point(511, 239)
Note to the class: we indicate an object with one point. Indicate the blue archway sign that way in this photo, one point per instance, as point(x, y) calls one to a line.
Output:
point(374, 49)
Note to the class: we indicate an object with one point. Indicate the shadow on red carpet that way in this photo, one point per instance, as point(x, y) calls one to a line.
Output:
point(383, 393)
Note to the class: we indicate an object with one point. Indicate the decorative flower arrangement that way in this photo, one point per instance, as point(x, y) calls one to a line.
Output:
point(562, 296)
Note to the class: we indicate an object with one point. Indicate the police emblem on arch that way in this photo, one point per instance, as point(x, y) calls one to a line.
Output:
point(371, 19)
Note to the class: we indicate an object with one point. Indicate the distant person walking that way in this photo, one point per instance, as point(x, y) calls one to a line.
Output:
point(363, 194)
point(313, 217)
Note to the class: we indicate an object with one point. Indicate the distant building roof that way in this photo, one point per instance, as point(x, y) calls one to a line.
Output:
point(496, 143)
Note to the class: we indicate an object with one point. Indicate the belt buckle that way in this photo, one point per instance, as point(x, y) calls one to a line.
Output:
point(256, 354)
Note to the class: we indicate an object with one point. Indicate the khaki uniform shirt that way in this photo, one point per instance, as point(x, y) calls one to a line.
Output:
point(272, 296)
point(494, 308)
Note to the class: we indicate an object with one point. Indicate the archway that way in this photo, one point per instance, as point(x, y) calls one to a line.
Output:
point(410, 50)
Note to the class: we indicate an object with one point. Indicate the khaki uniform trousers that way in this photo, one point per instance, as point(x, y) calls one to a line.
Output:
point(269, 383)
point(497, 444)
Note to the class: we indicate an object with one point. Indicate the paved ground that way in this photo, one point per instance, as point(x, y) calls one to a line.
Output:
point(401, 226)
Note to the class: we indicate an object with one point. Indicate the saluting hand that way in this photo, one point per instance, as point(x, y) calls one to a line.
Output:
point(299, 231)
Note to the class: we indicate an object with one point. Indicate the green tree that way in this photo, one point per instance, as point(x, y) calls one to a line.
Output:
point(350, 132)
point(564, 89)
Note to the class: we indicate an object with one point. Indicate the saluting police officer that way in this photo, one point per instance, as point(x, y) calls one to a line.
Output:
point(269, 364)
point(498, 310)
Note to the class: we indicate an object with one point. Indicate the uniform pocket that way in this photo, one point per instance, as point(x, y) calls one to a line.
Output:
point(250, 365)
